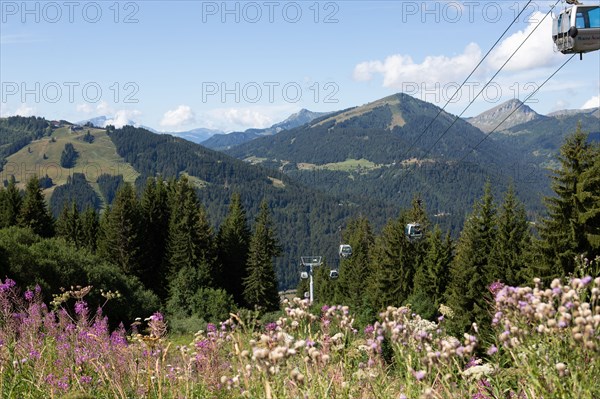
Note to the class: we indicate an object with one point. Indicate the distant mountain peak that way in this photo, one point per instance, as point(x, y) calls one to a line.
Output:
point(490, 119)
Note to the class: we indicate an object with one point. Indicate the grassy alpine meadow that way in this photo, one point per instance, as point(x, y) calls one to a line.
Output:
point(545, 344)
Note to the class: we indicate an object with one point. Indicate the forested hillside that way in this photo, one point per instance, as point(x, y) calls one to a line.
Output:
point(398, 147)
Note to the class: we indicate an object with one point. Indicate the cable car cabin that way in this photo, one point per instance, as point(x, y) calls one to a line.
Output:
point(413, 231)
point(333, 274)
point(345, 251)
point(577, 30)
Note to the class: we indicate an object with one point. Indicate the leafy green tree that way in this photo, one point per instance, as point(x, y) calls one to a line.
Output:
point(564, 233)
point(260, 285)
point(467, 289)
point(155, 209)
point(513, 242)
point(233, 240)
point(123, 232)
point(34, 210)
point(11, 200)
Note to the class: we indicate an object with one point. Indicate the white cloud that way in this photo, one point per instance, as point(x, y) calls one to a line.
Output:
point(25, 110)
point(85, 108)
point(236, 119)
point(593, 102)
point(104, 109)
point(538, 50)
point(398, 70)
point(181, 116)
point(123, 117)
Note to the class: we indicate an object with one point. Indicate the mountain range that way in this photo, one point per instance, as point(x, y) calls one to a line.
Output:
point(317, 170)
point(229, 140)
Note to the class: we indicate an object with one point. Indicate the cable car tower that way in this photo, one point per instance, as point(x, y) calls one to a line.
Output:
point(577, 29)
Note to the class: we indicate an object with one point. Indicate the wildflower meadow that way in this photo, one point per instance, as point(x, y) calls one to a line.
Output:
point(545, 343)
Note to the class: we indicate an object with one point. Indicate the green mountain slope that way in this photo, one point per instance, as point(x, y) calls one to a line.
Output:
point(381, 151)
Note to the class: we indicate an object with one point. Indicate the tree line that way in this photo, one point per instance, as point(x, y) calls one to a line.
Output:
point(497, 245)
point(162, 239)
point(162, 243)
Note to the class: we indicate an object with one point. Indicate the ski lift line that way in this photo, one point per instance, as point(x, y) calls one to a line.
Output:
point(508, 116)
point(483, 88)
point(517, 108)
point(467, 79)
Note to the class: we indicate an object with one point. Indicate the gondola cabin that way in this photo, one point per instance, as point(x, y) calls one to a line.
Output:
point(345, 251)
point(577, 29)
point(413, 231)
point(333, 274)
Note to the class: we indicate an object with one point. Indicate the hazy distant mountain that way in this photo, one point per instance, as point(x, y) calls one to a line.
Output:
point(102, 121)
point(229, 140)
point(570, 112)
point(490, 119)
point(196, 135)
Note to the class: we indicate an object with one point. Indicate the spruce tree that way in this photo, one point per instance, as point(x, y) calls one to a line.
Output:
point(467, 292)
point(356, 271)
point(123, 232)
point(588, 199)
point(155, 209)
point(191, 252)
point(34, 211)
point(512, 244)
point(563, 233)
point(233, 242)
point(394, 264)
point(432, 278)
point(260, 285)
point(10, 204)
point(90, 226)
point(68, 225)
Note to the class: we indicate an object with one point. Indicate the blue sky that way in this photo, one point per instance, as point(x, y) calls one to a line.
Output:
point(179, 65)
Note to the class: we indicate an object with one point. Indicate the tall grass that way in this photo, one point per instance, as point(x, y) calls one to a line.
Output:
point(546, 344)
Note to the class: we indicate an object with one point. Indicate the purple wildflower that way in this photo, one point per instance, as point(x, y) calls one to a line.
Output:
point(419, 375)
point(493, 349)
point(7, 285)
point(495, 287)
point(211, 328)
point(28, 295)
point(80, 307)
point(271, 327)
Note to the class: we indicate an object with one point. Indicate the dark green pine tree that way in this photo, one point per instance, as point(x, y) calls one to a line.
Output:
point(123, 232)
point(34, 210)
point(467, 292)
point(588, 198)
point(191, 252)
point(432, 278)
point(563, 235)
point(68, 225)
point(394, 263)
point(233, 240)
point(155, 209)
point(11, 200)
point(260, 285)
point(508, 258)
point(356, 271)
point(90, 226)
